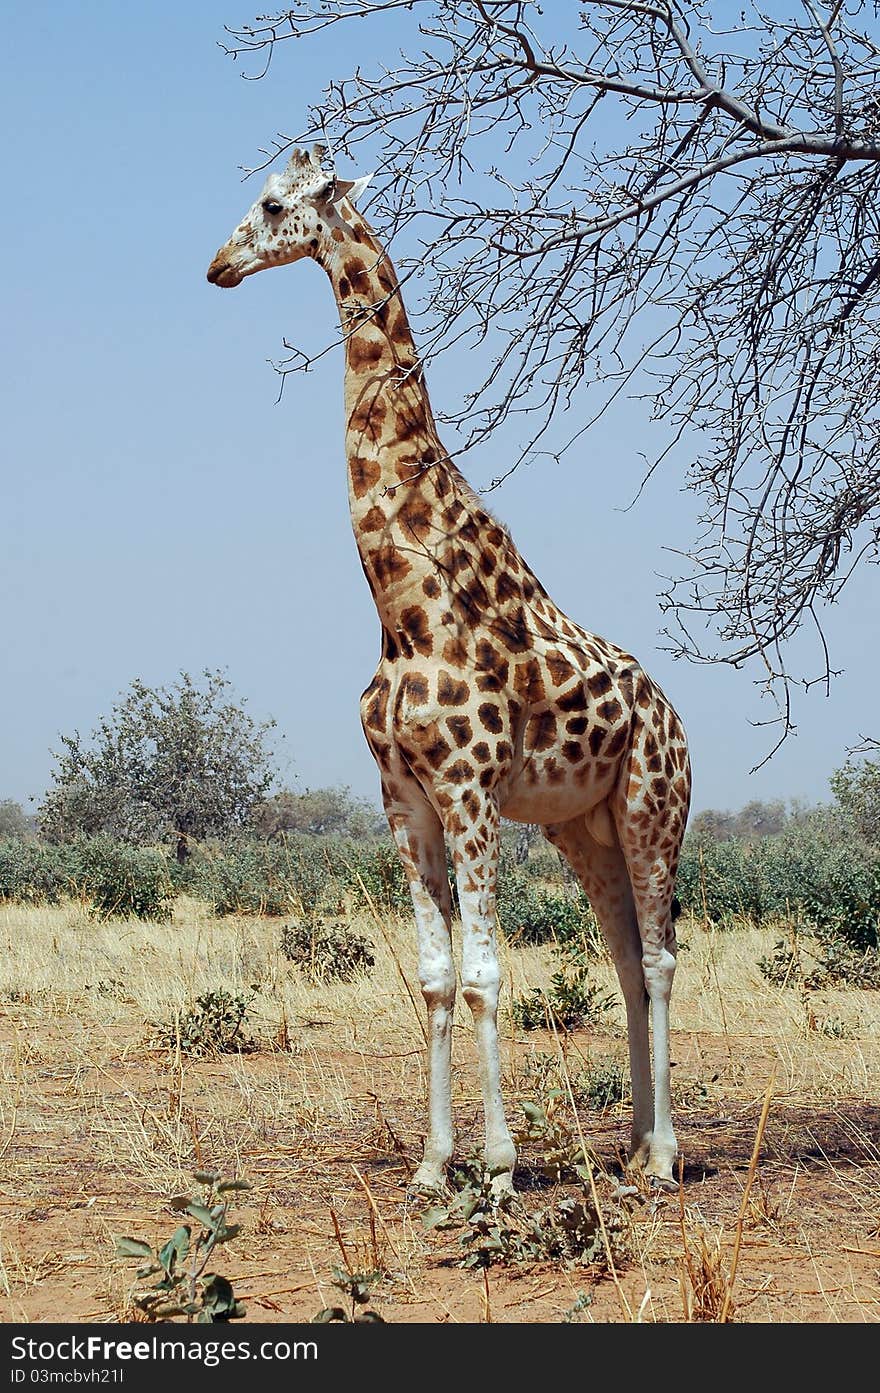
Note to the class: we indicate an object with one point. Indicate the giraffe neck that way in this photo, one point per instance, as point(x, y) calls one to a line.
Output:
point(403, 492)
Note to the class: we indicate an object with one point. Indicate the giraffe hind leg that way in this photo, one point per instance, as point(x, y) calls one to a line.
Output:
point(602, 871)
point(650, 846)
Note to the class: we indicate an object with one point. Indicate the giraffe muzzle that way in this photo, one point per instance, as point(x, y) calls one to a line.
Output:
point(222, 274)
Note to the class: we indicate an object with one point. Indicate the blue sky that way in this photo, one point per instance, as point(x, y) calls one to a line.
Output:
point(161, 512)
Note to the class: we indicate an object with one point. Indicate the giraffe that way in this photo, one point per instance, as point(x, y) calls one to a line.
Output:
point(487, 700)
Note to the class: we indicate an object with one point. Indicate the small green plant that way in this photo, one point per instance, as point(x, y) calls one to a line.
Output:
point(183, 1287)
point(331, 950)
point(581, 1303)
point(835, 1028)
point(357, 1286)
point(212, 1025)
point(561, 1152)
point(834, 963)
point(603, 1085)
point(497, 1230)
point(598, 1086)
point(783, 967)
point(573, 1001)
point(112, 987)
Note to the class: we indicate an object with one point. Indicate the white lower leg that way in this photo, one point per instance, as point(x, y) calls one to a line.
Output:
point(640, 1070)
point(424, 859)
point(659, 971)
point(437, 978)
point(480, 979)
point(439, 1141)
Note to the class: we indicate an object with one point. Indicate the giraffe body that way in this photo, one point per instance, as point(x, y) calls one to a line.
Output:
point(488, 701)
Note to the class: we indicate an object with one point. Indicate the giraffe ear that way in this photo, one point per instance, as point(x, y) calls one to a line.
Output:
point(350, 188)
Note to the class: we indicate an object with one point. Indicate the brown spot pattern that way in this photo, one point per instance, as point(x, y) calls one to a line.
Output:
point(512, 631)
point(492, 668)
point(364, 352)
point(372, 521)
point(560, 668)
point(451, 691)
point(528, 681)
point(460, 729)
point(367, 419)
point(415, 626)
point(455, 652)
point(459, 772)
point(490, 715)
point(364, 473)
point(415, 516)
point(436, 750)
point(540, 731)
point(390, 566)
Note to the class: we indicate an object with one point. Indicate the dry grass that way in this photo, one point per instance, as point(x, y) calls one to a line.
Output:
point(98, 1126)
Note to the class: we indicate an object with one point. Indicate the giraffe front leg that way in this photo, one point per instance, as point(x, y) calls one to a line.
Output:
point(475, 856)
point(419, 837)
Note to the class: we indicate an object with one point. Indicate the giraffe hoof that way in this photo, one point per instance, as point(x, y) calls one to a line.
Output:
point(428, 1183)
point(502, 1186)
point(665, 1183)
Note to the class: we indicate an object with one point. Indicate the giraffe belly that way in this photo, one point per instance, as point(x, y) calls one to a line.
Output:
point(531, 798)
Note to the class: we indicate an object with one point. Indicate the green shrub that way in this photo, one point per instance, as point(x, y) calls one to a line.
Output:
point(182, 1287)
point(528, 913)
point(274, 878)
point(572, 1001)
point(498, 1230)
point(831, 882)
point(117, 879)
point(245, 879)
point(374, 867)
point(604, 1085)
point(297, 874)
point(323, 951)
point(123, 881)
point(31, 873)
point(212, 1026)
point(824, 961)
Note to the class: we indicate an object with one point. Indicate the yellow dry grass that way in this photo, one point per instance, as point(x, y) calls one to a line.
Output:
point(98, 1124)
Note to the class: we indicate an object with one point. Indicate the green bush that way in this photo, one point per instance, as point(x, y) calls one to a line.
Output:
point(300, 874)
point(182, 1286)
point(122, 881)
point(245, 878)
point(374, 867)
point(572, 1002)
point(213, 1025)
point(34, 874)
point(528, 913)
point(117, 879)
point(327, 950)
point(820, 962)
point(830, 882)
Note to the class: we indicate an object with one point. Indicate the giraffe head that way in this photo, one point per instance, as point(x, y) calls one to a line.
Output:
point(293, 217)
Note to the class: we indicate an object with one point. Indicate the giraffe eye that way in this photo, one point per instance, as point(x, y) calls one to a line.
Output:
point(271, 205)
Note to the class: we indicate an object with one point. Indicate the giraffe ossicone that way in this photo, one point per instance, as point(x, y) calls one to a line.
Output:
point(488, 701)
